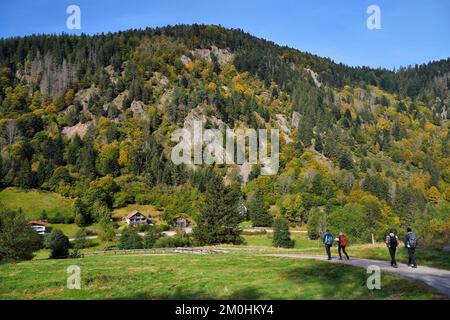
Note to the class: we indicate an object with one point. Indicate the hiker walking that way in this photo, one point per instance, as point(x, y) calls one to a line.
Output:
point(392, 244)
point(328, 242)
point(411, 244)
point(342, 244)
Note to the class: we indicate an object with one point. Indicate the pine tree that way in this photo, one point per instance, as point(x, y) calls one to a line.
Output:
point(258, 211)
point(87, 161)
point(218, 219)
point(25, 175)
point(58, 243)
point(281, 235)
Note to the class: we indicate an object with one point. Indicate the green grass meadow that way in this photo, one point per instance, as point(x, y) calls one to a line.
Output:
point(33, 202)
point(183, 276)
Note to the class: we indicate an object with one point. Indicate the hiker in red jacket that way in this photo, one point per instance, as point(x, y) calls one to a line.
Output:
point(342, 244)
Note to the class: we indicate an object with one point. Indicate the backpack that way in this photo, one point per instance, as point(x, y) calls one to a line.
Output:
point(343, 241)
point(412, 240)
point(328, 239)
point(393, 243)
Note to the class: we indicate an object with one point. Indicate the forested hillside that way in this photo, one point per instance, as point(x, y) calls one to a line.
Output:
point(90, 117)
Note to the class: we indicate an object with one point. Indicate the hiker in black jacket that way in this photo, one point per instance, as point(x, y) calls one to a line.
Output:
point(411, 244)
point(392, 243)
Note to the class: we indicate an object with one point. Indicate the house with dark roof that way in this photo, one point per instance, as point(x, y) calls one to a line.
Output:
point(136, 218)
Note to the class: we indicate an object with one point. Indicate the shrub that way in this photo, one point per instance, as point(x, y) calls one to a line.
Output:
point(121, 199)
point(130, 239)
point(317, 223)
point(352, 220)
point(165, 242)
point(107, 232)
point(148, 241)
point(180, 240)
point(58, 218)
point(281, 236)
point(80, 240)
point(433, 224)
point(143, 199)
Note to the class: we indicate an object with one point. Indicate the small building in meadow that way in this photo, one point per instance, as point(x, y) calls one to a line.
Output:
point(38, 226)
point(136, 218)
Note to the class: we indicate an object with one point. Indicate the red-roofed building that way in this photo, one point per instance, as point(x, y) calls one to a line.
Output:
point(38, 226)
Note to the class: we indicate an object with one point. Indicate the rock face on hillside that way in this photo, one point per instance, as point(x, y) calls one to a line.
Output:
point(78, 129)
point(85, 94)
point(223, 55)
point(314, 76)
point(139, 109)
point(283, 125)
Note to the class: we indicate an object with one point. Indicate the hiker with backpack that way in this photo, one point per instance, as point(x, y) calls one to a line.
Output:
point(392, 244)
point(328, 242)
point(411, 244)
point(342, 244)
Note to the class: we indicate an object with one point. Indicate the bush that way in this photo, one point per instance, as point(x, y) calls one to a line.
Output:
point(58, 218)
point(281, 236)
point(122, 199)
point(75, 254)
point(165, 242)
point(130, 239)
point(352, 220)
point(317, 223)
point(107, 232)
point(150, 238)
point(143, 199)
point(80, 240)
point(433, 224)
point(144, 227)
point(180, 240)
point(58, 243)
point(43, 215)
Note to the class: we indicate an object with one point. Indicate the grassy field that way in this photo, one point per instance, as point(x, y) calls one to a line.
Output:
point(33, 202)
point(182, 276)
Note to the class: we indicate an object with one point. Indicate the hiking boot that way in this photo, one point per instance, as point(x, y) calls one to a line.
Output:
point(394, 266)
point(414, 266)
point(340, 258)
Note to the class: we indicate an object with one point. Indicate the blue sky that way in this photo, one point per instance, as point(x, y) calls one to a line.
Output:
point(413, 31)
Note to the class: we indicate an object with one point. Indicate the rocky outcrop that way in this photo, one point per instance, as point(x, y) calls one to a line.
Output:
point(139, 109)
point(223, 55)
point(283, 125)
point(314, 76)
point(78, 129)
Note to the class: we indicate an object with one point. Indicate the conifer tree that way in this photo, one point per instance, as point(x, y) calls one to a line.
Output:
point(281, 236)
point(258, 211)
point(218, 219)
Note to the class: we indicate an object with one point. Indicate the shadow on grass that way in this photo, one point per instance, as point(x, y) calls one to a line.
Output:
point(328, 281)
point(187, 294)
point(342, 282)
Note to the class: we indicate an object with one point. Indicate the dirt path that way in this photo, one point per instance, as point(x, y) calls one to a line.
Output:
point(436, 278)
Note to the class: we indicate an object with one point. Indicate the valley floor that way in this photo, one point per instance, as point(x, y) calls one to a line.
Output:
point(234, 275)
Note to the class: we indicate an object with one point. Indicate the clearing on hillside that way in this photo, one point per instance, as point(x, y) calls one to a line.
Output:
point(33, 202)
